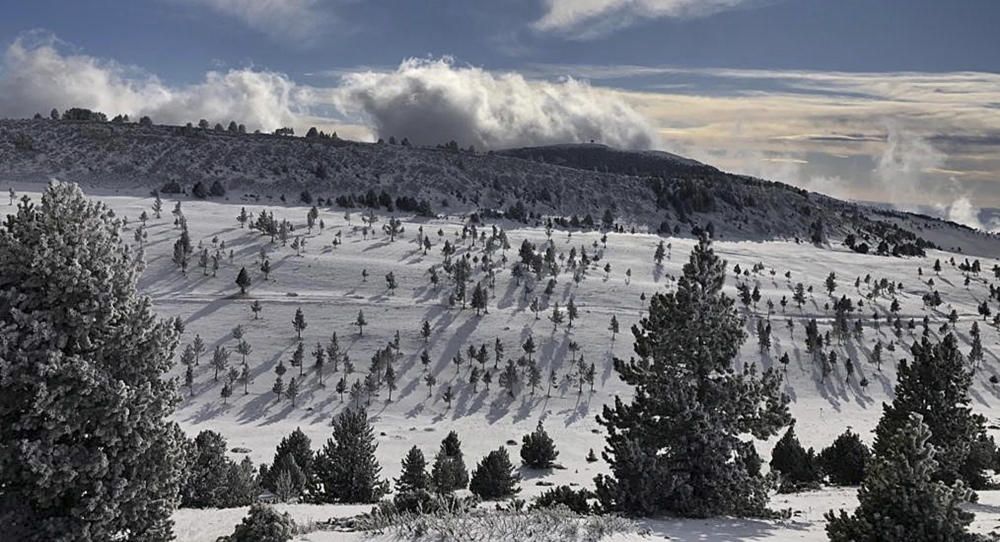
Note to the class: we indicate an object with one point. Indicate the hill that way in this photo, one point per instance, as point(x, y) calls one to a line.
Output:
point(652, 191)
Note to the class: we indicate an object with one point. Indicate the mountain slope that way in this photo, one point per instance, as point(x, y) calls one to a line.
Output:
point(651, 191)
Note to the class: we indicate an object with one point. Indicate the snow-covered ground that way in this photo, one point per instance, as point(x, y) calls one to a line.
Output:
point(326, 283)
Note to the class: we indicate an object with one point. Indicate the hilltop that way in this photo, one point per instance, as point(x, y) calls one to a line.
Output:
point(649, 191)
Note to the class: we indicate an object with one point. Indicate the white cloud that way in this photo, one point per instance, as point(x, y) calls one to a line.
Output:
point(36, 76)
point(433, 101)
point(589, 18)
point(295, 21)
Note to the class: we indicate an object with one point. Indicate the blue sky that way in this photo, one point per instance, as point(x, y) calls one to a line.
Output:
point(895, 100)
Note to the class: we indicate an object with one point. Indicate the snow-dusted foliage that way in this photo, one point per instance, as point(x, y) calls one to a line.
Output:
point(677, 446)
point(86, 448)
point(899, 501)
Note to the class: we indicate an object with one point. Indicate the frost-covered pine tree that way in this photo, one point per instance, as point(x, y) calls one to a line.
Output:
point(676, 448)
point(88, 451)
point(494, 477)
point(538, 451)
point(899, 501)
point(449, 473)
point(414, 472)
point(936, 386)
point(346, 468)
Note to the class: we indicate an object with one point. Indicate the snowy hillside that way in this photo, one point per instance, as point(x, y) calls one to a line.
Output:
point(649, 191)
point(331, 283)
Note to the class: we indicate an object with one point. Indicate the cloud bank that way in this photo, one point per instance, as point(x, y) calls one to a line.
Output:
point(592, 18)
point(432, 101)
point(36, 76)
point(912, 139)
point(293, 21)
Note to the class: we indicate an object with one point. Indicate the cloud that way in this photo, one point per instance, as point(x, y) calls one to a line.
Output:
point(592, 18)
point(294, 21)
point(433, 101)
point(37, 76)
point(907, 138)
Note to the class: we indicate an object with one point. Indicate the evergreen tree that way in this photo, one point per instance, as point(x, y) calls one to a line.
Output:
point(798, 466)
point(88, 449)
point(494, 477)
point(212, 480)
point(361, 323)
point(935, 385)
point(346, 468)
point(414, 473)
point(845, 460)
point(449, 473)
point(672, 448)
point(299, 323)
point(538, 451)
point(243, 280)
point(899, 499)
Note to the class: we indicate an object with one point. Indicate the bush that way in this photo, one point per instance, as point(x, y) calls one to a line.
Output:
point(575, 500)
point(421, 501)
point(217, 190)
point(262, 524)
point(537, 449)
point(172, 187)
point(199, 190)
point(494, 477)
point(844, 461)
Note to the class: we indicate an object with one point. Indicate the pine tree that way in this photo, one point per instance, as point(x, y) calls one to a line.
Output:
point(494, 477)
point(798, 466)
point(361, 323)
point(346, 468)
point(935, 385)
point(671, 448)
point(220, 361)
point(538, 451)
point(299, 323)
point(298, 356)
point(292, 390)
point(89, 451)
point(448, 473)
point(414, 472)
point(479, 299)
point(243, 280)
point(845, 460)
point(899, 499)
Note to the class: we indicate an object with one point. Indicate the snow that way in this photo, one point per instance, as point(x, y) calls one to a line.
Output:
point(327, 285)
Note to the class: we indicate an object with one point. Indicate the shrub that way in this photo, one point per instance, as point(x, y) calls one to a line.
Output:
point(537, 449)
point(217, 190)
point(263, 524)
point(172, 187)
point(574, 499)
point(199, 190)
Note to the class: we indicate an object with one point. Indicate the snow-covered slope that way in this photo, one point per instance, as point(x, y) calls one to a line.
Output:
point(326, 283)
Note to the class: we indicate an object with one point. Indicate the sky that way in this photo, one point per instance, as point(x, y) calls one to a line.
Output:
point(883, 100)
